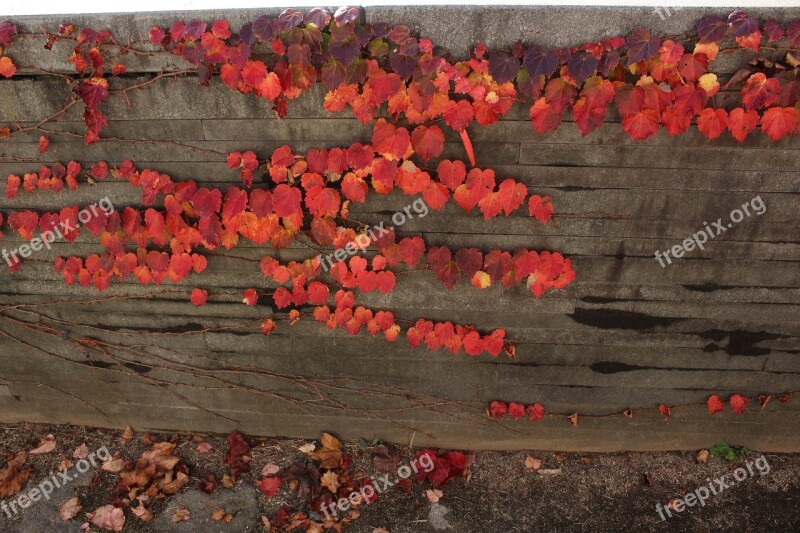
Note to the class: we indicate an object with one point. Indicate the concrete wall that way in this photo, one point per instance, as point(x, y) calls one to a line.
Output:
point(625, 334)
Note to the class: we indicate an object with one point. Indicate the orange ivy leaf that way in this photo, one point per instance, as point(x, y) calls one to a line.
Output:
point(7, 67)
point(250, 297)
point(535, 412)
point(739, 403)
point(199, 297)
point(540, 207)
point(742, 122)
point(712, 122)
point(779, 122)
point(715, 405)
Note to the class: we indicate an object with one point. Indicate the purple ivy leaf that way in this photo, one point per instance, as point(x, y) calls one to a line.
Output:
point(319, 17)
point(642, 45)
point(581, 66)
point(289, 18)
point(742, 24)
point(346, 15)
point(712, 29)
point(503, 67)
point(538, 61)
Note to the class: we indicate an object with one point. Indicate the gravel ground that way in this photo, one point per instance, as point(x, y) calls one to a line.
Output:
point(568, 492)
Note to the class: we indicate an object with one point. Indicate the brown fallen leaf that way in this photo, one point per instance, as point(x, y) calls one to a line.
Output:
point(308, 448)
point(385, 458)
point(532, 463)
point(314, 528)
point(181, 514)
point(586, 460)
point(204, 447)
point(64, 465)
point(702, 456)
point(434, 495)
point(47, 445)
point(81, 452)
point(573, 419)
point(270, 469)
point(219, 514)
point(142, 513)
point(113, 465)
point(108, 517)
point(380, 530)
point(227, 481)
point(646, 480)
point(330, 480)
point(127, 435)
point(13, 477)
point(331, 453)
point(558, 457)
point(70, 509)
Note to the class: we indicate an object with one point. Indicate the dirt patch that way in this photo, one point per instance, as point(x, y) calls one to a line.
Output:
point(568, 491)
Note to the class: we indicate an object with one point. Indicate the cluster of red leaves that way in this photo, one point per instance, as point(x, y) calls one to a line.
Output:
point(738, 403)
point(193, 217)
point(498, 409)
point(46, 179)
point(237, 448)
point(652, 82)
point(446, 466)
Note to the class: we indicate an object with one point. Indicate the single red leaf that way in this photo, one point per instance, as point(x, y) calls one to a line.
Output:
point(715, 405)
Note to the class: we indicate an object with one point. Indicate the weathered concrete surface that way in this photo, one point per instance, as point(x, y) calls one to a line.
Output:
point(626, 334)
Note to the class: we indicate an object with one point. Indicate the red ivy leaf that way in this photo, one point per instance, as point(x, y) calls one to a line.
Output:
point(428, 142)
point(715, 405)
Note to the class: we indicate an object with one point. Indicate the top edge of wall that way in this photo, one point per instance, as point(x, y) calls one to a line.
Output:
point(497, 26)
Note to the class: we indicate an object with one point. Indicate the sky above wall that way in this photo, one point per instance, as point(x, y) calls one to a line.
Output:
point(43, 7)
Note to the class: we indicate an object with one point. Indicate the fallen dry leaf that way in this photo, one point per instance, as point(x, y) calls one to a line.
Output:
point(331, 454)
point(532, 463)
point(558, 457)
point(204, 447)
point(81, 452)
point(270, 469)
point(330, 480)
point(314, 528)
point(380, 530)
point(573, 419)
point(47, 445)
point(13, 477)
point(108, 517)
point(113, 465)
point(142, 513)
point(702, 456)
point(385, 458)
point(227, 481)
point(64, 465)
point(586, 460)
point(270, 486)
point(307, 448)
point(70, 509)
point(434, 495)
point(127, 435)
point(181, 514)
point(219, 514)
